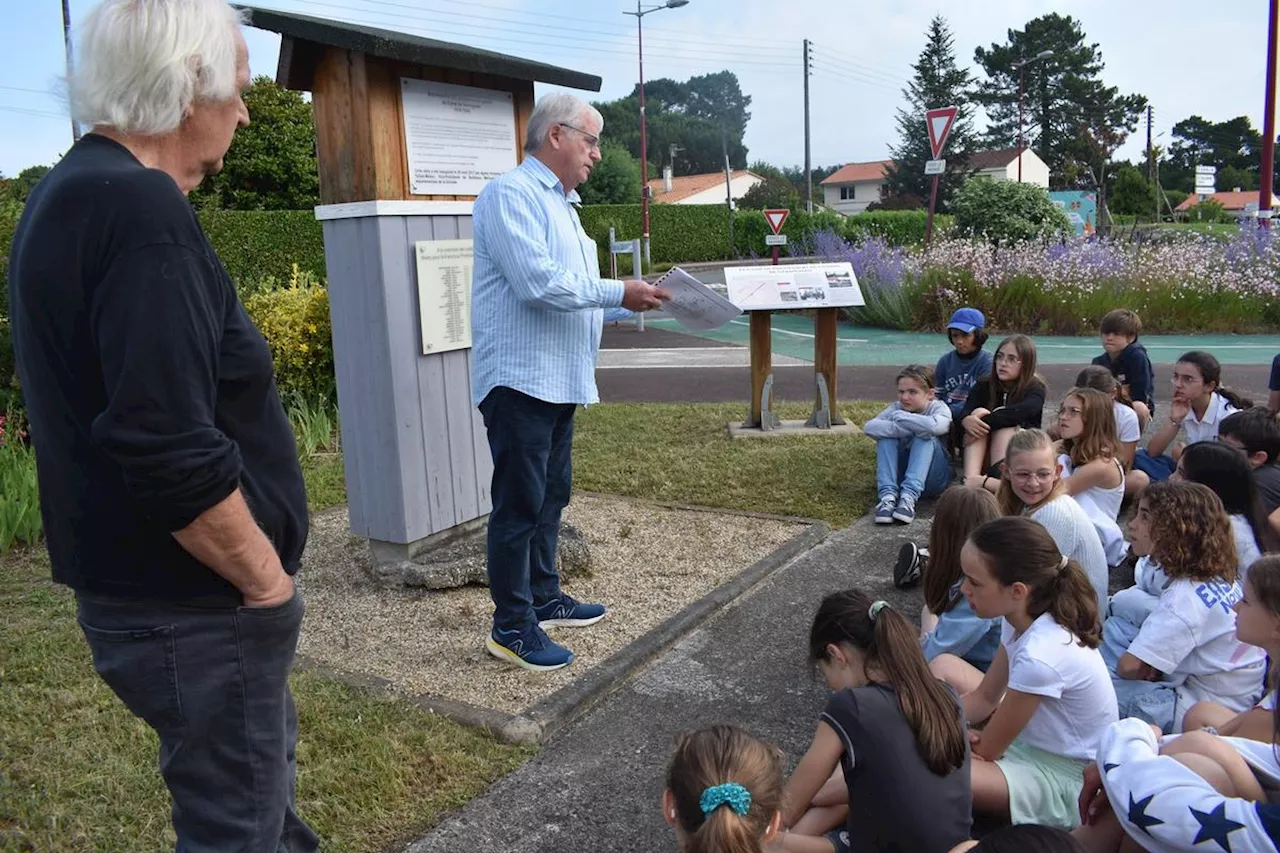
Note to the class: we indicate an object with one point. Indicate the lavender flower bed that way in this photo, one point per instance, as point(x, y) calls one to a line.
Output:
point(1188, 283)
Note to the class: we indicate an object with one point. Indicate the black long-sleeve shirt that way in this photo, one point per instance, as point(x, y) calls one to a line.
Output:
point(151, 394)
point(1026, 412)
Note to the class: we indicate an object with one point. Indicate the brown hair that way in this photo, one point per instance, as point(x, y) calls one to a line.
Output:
point(1098, 439)
point(1026, 350)
point(1121, 321)
point(1264, 578)
point(1099, 377)
point(1191, 535)
point(891, 645)
point(714, 756)
point(1023, 441)
point(1019, 550)
point(921, 373)
point(957, 514)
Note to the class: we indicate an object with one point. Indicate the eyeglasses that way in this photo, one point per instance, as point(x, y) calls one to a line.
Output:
point(1003, 358)
point(1028, 476)
point(1073, 411)
point(592, 141)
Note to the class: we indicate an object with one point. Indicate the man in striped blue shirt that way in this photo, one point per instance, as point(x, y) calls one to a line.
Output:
point(538, 305)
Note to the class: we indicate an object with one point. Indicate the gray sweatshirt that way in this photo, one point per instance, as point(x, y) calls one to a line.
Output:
point(896, 422)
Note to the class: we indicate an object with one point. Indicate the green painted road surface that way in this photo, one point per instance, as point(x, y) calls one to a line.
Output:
point(793, 336)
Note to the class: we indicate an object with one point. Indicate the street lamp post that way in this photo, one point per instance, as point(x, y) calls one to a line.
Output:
point(1044, 54)
point(640, 12)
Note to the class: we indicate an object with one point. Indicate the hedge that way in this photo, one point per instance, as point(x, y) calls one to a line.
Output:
point(257, 243)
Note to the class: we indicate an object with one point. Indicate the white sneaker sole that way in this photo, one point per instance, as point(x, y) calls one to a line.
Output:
point(503, 653)
point(880, 520)
point(571, 623)
point(903, 518)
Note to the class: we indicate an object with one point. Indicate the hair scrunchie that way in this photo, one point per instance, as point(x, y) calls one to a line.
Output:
point(729, 794)
point(1062, 566)
point(874, 610)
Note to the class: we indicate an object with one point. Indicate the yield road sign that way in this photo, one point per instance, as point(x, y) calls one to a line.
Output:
point(939, 123)
point(775, 218)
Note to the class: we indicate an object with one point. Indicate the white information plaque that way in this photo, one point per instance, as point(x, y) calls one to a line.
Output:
point(444, 293)
point(458, 138)
point(788, 287)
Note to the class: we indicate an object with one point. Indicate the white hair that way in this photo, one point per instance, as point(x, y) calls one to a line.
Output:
point(560, 108)
point(140, 64)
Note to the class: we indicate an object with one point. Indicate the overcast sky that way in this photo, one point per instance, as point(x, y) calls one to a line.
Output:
point(1186, 57)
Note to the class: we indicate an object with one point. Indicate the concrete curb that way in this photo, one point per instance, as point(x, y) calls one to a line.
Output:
point(560, 708)
point(550, 715)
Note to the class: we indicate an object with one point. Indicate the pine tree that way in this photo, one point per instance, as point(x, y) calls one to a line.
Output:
point(938, 82)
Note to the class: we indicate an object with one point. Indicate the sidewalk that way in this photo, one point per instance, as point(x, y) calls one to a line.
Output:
point(596, 786)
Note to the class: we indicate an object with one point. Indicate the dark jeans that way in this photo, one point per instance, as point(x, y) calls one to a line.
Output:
point(531, 443)
point(214, 684)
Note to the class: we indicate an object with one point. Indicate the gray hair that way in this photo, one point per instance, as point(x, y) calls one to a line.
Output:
point(560, 108)
point(141, 64)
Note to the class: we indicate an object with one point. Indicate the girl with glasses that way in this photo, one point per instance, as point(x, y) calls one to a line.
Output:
point(1091, 472)
point(1012, 396)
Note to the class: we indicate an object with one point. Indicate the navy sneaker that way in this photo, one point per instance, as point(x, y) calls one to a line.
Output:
point(910, 565)
point(906, 509)
point(564, 612)
point(530, 649)
point(884, 509)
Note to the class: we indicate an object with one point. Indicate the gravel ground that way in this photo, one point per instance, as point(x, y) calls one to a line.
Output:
point(649, 563)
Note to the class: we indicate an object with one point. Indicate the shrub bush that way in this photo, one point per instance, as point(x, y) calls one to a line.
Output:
point(1006, 213)
point(266, 243)
point(294, 318)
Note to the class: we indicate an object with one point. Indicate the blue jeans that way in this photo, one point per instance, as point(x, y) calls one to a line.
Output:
point(921, 461)
point(1156, 467)
point(531, 442)
point(213, 682)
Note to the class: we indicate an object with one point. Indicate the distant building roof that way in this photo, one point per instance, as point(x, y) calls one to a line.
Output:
point(997, 159)
point(1229, 200)
point(296, 67)
point(853, 173)
point(683, 186)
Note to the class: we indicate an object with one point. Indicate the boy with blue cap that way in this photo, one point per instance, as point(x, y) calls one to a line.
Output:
point(959, 370)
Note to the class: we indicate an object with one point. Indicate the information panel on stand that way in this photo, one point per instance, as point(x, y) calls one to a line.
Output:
point(789, 287)
point(444, 293)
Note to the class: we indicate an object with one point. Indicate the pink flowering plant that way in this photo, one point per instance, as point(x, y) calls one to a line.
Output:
point(1182, 282)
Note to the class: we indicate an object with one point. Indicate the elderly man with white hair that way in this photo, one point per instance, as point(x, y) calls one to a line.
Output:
point(538, 304)
point(172, 498)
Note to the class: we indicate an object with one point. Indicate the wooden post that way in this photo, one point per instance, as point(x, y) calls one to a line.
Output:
point(824, 358)
point(761, 362)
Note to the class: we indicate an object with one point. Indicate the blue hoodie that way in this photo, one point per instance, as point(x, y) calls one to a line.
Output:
point(955, 376)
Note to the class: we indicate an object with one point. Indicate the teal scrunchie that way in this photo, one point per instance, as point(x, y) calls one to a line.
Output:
point(731, 794)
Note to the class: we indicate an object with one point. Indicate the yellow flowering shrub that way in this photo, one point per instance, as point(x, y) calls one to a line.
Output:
point(294, 318)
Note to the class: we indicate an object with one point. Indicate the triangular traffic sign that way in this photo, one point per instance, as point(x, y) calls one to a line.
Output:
point(939, 123)
point(775, 218)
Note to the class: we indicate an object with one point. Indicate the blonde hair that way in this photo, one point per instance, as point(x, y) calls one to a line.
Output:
point(1024, 441)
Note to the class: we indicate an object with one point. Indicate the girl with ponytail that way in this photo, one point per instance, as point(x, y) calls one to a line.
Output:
point(724, 792)
point(1047, 697)
point(891, 738)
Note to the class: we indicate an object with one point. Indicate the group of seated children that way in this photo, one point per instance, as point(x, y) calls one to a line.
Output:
point(1029, 696)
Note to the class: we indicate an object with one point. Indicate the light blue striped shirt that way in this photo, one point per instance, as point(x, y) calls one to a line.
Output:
point(537, 299)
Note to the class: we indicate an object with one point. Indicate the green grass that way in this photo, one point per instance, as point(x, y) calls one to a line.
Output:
point(79, 770)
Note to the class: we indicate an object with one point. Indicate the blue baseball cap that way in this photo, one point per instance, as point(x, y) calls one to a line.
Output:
point(967, 320)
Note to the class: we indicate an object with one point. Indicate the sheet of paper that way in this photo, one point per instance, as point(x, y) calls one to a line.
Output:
point(694, 305)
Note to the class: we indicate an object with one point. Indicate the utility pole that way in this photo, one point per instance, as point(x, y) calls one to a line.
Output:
point(66, 41)
point(1269, 123)
point(1151, 163)
point(808, 165)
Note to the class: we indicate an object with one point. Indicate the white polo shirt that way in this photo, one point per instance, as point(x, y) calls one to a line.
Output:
point(1206, 428)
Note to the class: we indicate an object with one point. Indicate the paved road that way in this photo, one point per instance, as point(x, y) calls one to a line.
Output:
point(684, 380)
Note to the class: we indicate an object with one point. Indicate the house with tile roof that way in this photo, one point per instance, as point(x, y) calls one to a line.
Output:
point(1235, 202)
point(852, 187)
point(701, 189)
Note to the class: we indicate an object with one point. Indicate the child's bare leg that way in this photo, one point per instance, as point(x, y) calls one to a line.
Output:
point(1204, 714)
point(1134, 482)
point(1000, 443)
point(990, 789)
point(834, 792)
point(820, 820)
point(975, 454)
point(959, 673)
point(1144, 415)
point(928, 621)
point(1104, 835)
point(1202, 745)
point(1210, 771)
point(792, 842)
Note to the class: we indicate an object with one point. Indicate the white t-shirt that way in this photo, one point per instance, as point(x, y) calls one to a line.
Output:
point(1246, 545)
point(1190, 636)
point(1127, 428)
point(1078, 700)
point(1206, 429)
point(1076, 538)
